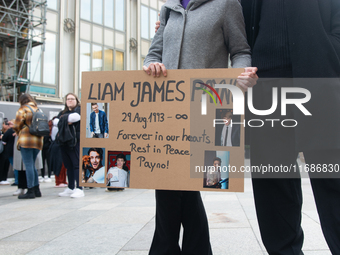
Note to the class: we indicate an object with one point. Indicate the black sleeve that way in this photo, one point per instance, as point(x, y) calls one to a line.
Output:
point(7, 134)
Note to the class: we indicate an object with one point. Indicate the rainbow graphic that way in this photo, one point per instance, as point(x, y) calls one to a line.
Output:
point(213, 90)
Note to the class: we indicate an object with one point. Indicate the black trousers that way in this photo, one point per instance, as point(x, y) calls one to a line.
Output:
point(174, 208)
point(4, 166)
point(45, 158)
point(70, 158)
point(22, 180)
point(278, 196)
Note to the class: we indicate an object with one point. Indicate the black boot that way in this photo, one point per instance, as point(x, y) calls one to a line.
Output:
point(29, 194)
point(37, 192)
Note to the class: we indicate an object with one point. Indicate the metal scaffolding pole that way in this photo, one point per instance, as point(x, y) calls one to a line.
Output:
point(22, 27)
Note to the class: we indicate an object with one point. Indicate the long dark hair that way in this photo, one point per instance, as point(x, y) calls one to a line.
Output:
point(25, 99)
point(121, 155)
point(78, 102)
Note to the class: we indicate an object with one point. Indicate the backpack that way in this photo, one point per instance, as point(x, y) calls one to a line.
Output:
point(39, 125)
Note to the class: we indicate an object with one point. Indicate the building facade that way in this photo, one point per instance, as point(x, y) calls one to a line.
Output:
point(89, 35)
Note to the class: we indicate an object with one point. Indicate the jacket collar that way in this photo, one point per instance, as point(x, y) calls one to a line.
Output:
point(176, 4)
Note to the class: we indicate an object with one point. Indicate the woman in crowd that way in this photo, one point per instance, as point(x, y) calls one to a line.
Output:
point(194, 34)
point(28, 144)
point(69, 118)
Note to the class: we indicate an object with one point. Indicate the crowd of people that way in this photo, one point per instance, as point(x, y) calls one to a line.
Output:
point(27, 152)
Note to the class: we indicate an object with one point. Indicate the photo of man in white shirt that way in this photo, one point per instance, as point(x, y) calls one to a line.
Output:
point(117, 176)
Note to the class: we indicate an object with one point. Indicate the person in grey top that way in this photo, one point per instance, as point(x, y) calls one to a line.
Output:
point(194, 34)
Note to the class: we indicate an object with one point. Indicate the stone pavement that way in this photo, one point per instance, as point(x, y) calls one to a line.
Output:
point(123, 222)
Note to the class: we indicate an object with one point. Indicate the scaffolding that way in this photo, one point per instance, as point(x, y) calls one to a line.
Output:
point(22, 27)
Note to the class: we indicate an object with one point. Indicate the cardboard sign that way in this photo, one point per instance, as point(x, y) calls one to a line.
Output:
point(178, 132)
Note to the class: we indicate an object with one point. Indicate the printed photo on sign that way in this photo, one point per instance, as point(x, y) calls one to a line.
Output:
point(216, 173)
point(227, 128)
point(118, 173)
point(97, 120)
point(93, 168)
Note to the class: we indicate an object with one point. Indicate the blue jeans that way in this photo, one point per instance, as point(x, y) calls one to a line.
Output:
point(29, 156)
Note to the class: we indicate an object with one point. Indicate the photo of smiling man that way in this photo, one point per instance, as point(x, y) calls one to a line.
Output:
point(93, 168)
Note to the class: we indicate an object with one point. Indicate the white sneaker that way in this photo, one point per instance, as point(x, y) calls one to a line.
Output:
point(4, 183)
point(46, 179)
point(41, 179)
point(19, 192)
point(66, 193)
point(77, 193)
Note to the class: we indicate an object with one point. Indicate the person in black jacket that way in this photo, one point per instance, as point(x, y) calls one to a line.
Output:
point(4, 166)
point(296, 39)
point(8, 138)
point(69, 125)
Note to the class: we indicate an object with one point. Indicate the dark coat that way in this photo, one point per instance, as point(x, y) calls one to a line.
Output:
point(314, 44)
point(235, 135)
point(67, 133)
point(103, 125)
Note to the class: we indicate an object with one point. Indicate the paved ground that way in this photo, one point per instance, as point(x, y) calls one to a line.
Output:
point(123, 222)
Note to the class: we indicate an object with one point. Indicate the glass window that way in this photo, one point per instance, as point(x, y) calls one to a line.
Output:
point(120, 41)
point(85, 58)
point(85, 30)
point(52, 4)
point(119, 15)
point(145, 47)
point(36, 64)
point(119, 61)
point(153, 19)
point(50, 59)
point(160, 4)
point(108, 60)
point(51, 21)
point(97, 34)
point(108, 13)
point(98, 11)
point(108, 37)
point(85, 9)
point(142, 63)
point(153, 4)
point(36, 17)
point(97, 58)
point(144, 22)
point(146, 2)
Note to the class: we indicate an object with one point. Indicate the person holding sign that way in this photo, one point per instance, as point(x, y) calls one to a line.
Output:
point(299, 40)
point(194, 34)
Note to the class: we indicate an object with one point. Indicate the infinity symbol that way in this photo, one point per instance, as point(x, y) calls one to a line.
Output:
point(183, 116)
